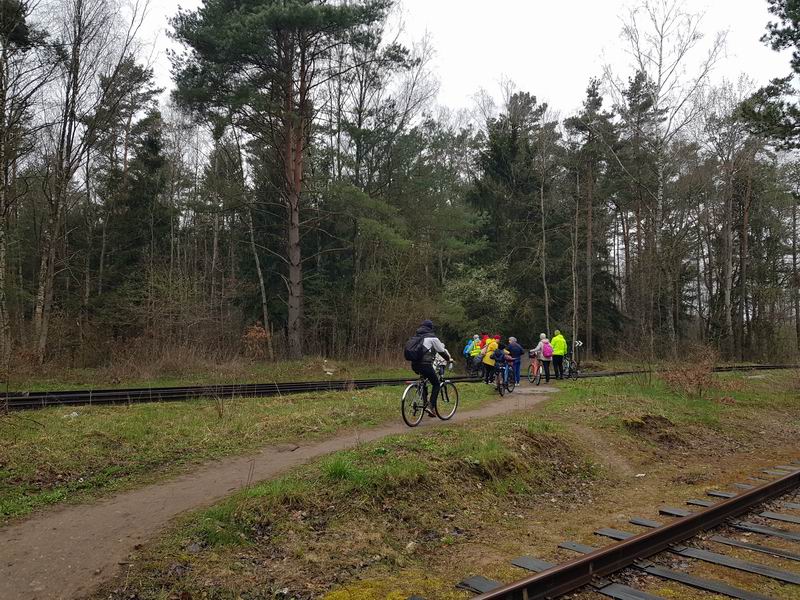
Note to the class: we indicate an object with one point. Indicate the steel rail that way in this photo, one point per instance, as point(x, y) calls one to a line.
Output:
point(144, 395)
point(37, 400)
point(570, 576)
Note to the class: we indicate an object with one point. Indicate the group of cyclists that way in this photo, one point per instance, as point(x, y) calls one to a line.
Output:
point(484, 355)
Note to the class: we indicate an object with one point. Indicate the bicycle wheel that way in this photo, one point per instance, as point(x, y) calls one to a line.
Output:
point(573, 369)
point(538, 378)
point(511, 383)
point(447, 403)
point(498, 382)
point(530, 374)
point(412, 405)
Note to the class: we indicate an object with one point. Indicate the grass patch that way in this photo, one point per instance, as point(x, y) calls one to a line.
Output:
point(735, 408)
point(400, 503)
point(414, 514)
point(77, 453)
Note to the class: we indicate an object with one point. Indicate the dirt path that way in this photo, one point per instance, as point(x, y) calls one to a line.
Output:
point(67, 553)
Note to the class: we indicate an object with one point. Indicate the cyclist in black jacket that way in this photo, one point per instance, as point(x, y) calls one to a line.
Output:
point(433, 346)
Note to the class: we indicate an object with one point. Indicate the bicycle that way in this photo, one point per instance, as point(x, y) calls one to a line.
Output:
point(535, 374)
point(414, 403)
point(504, 378)
point(570, 365)
point(476, 368)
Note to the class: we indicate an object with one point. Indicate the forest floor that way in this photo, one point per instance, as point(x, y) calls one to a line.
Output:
point(175, 371)
point(65, 553)
point(415, 513)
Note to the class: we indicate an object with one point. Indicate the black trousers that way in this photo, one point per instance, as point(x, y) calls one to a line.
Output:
point(430, 374)
point(558, 366)
point(490, 371)
point(545, 364)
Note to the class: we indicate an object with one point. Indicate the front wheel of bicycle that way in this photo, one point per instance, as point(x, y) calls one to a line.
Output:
point(447, 403)
point(498, 383)
point(538, 377)
point(573, 370)
point(530, 374)
point(412, 405)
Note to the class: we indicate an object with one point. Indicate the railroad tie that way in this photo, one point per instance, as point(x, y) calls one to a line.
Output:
point(478, 584)
point(610, 589)
point(740, 565)
point(743, 486)
point(792, 505)
point(672, 511)
point(714, 558)
point(698, 502)
point(701, 583)
point(777, 473)
point(780, 517)
point(719, 494)
point(764, 530)
point(779, 552)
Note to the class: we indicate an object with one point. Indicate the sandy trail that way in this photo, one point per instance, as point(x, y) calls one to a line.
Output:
point(66, 553)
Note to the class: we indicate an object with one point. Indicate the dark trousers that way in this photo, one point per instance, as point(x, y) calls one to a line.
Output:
point(545, 364)
point(430, 374)
point(489, 369)
point(558, 366)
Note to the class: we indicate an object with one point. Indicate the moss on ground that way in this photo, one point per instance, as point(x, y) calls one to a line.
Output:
point(76, 453)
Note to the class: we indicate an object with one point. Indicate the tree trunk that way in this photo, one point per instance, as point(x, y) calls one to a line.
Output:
point(294, 127)
point(745, 248)
point(261, 286)
point(574, 269)
point(727, 264)
point(589, 262)
point(795, 275)
point(5, 317)
point(544, 262)
point(214, 258)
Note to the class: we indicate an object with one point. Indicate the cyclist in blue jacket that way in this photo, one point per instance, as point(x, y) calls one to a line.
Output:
point(516, 351)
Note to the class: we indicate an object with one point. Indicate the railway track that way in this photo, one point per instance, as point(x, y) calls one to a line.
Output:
point(36, 400)
point(646, 551)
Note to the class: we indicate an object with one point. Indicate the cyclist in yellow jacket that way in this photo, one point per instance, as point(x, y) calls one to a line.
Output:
point(559, 351)
point(492, 344)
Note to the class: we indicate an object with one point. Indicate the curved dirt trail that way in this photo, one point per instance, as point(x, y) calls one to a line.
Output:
point(65, 554)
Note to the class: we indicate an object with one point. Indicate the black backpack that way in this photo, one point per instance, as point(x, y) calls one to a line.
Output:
point(414, 350)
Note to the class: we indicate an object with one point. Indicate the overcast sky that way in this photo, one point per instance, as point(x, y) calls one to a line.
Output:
point(550, 48)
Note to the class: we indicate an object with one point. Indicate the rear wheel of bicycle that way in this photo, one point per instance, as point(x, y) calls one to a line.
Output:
point(498, 383)
point(447, 403)
point(573, 370)
point(511, 383)
point(412, 405)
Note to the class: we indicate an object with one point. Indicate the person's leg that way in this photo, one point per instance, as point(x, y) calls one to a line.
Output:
point(558, 366)
point(517, 370)
point(430, 374)
point(546, 365)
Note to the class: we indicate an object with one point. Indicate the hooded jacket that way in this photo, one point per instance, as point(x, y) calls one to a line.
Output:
point(488, 349)
point(433, 345)
point(559, 345)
